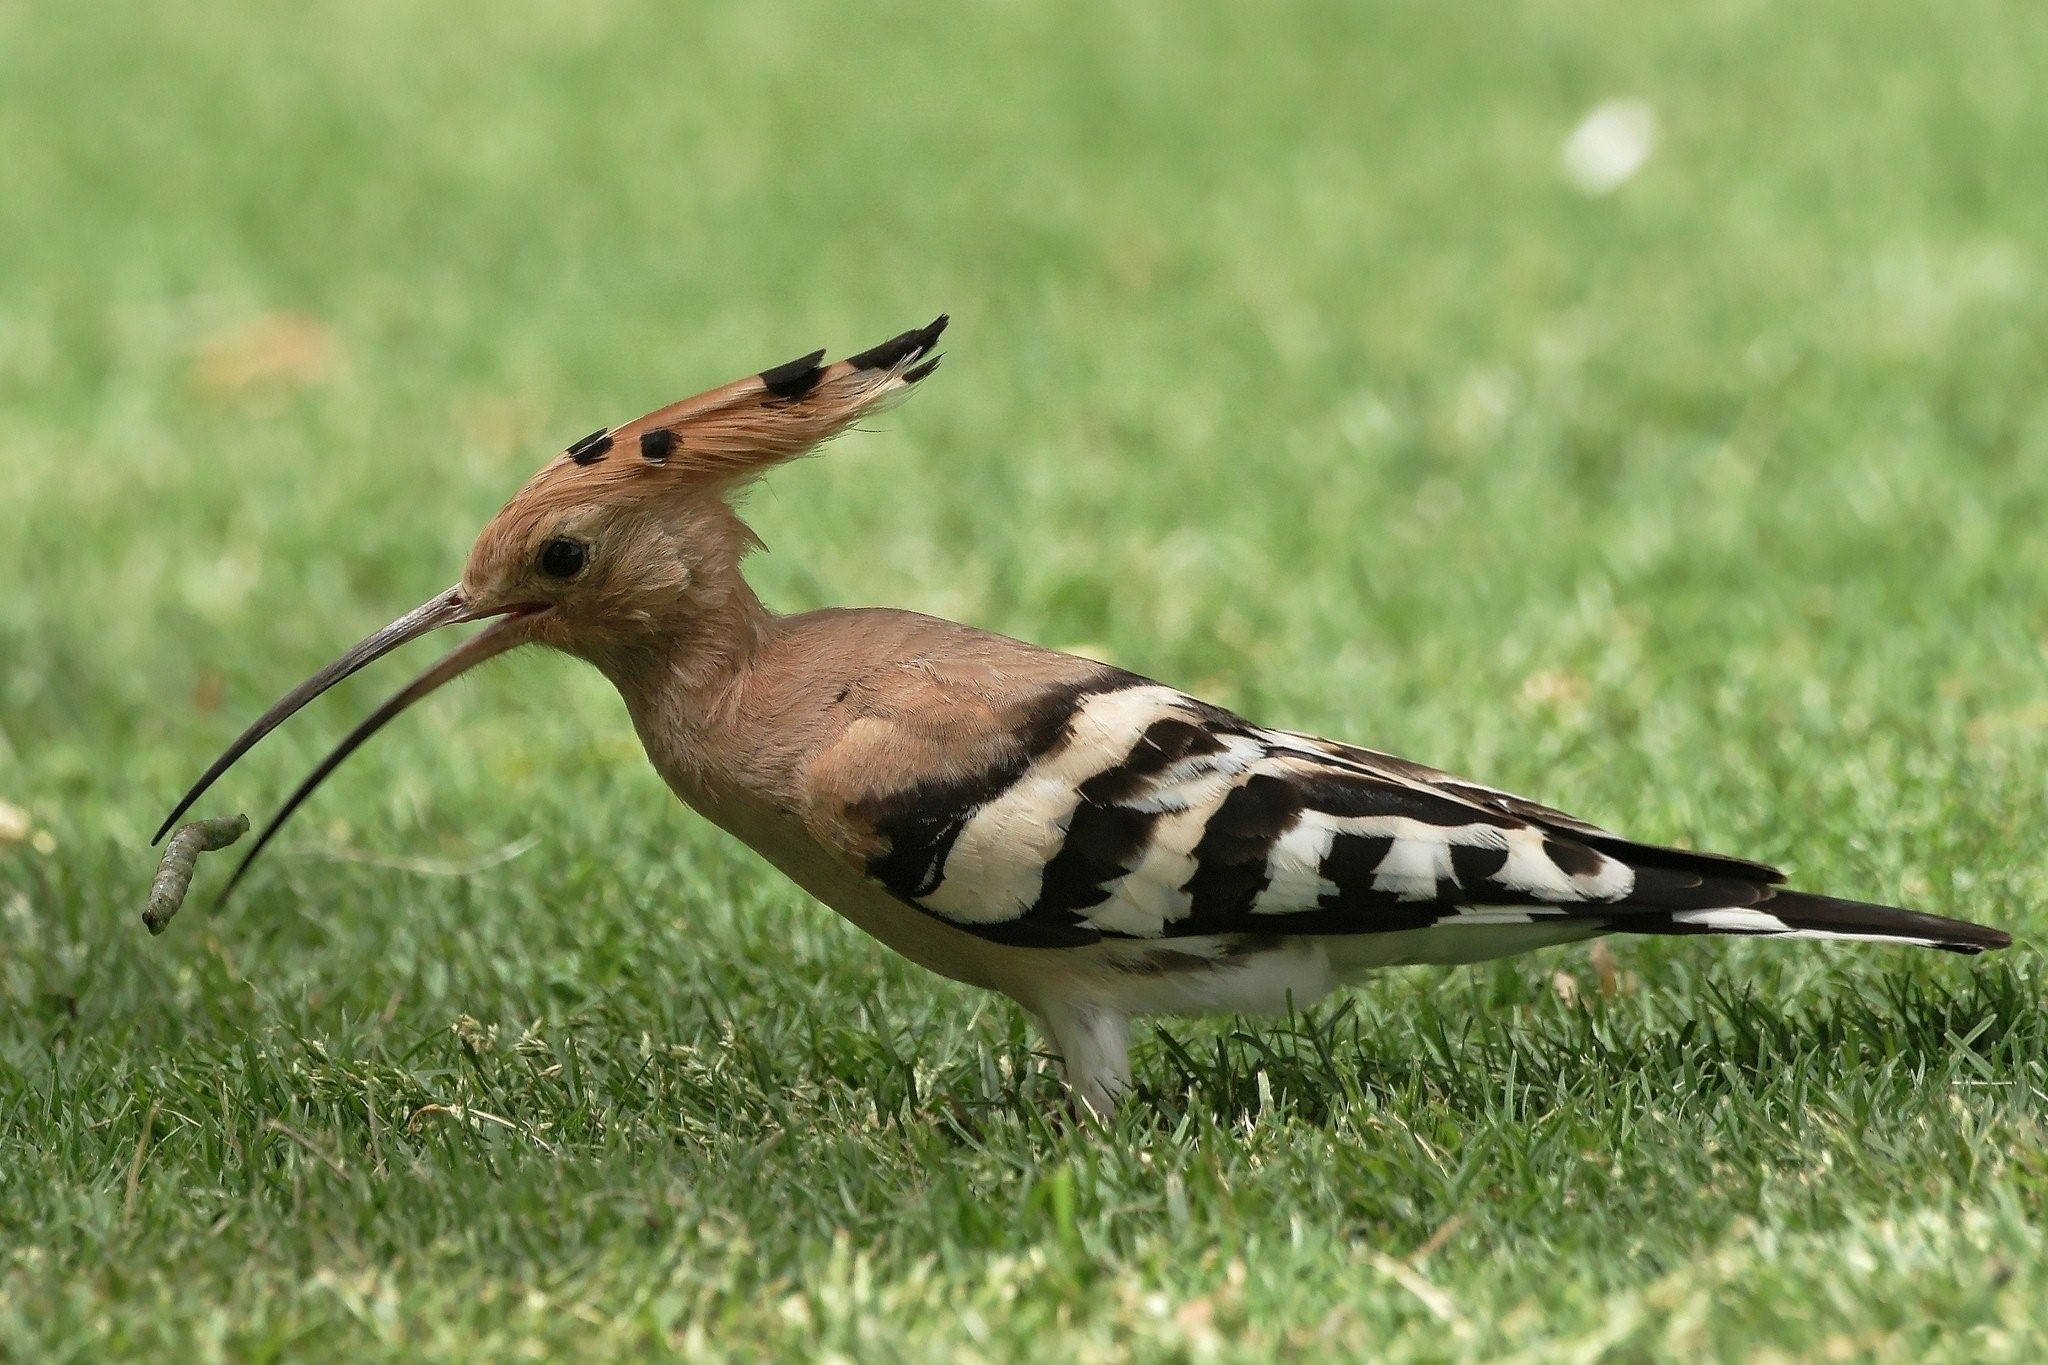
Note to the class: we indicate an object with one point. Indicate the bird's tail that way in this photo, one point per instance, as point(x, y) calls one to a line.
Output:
point(1801, 914)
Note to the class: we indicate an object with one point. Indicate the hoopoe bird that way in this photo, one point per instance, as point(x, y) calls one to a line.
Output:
point(1090, 843)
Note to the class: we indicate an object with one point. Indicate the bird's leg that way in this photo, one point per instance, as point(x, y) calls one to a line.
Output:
point(1094, 1044)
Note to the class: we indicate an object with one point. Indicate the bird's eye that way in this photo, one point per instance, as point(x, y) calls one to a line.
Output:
point(563, 558)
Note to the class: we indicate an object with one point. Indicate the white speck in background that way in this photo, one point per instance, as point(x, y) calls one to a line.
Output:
point(1611, 143)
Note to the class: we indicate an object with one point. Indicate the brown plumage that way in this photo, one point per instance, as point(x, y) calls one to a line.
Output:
point(1088, 842)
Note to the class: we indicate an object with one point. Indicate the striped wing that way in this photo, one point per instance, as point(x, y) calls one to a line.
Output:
point(1136, 811)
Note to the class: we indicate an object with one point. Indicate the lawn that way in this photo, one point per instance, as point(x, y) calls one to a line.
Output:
point(1288, 365)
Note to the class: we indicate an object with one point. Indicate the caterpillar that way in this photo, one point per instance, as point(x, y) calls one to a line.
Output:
point(181, 859)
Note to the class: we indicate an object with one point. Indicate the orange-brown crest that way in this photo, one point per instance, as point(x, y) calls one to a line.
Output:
point(620, 528)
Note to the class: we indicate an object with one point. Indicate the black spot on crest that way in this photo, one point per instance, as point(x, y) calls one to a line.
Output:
point(795, 379)
point(900, 348)
point(657, 445)
point(591, 448)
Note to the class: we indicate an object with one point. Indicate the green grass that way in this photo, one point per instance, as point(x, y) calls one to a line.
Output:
point(1286, 366)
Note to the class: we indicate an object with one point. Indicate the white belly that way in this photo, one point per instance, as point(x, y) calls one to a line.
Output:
point(1223, 976)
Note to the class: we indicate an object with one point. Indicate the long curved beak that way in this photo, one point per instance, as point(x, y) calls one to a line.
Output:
point(447, 609)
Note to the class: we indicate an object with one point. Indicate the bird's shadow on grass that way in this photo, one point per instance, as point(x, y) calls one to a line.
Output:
point(1862, 1040)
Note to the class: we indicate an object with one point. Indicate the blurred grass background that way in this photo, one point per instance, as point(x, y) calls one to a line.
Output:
point(1289, 364)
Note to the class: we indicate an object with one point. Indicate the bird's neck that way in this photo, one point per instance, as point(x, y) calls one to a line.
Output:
point(695, 649)
point(682, 678)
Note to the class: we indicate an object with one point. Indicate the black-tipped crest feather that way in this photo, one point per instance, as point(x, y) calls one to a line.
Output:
point(796, 378)
point(904, 346)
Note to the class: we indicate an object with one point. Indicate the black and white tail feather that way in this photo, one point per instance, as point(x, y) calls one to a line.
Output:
point(1128, 810)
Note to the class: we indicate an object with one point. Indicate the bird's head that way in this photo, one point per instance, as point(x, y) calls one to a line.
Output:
point(623, 544)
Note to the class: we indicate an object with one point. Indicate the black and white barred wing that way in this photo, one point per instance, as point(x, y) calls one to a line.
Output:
point(1135, 811)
